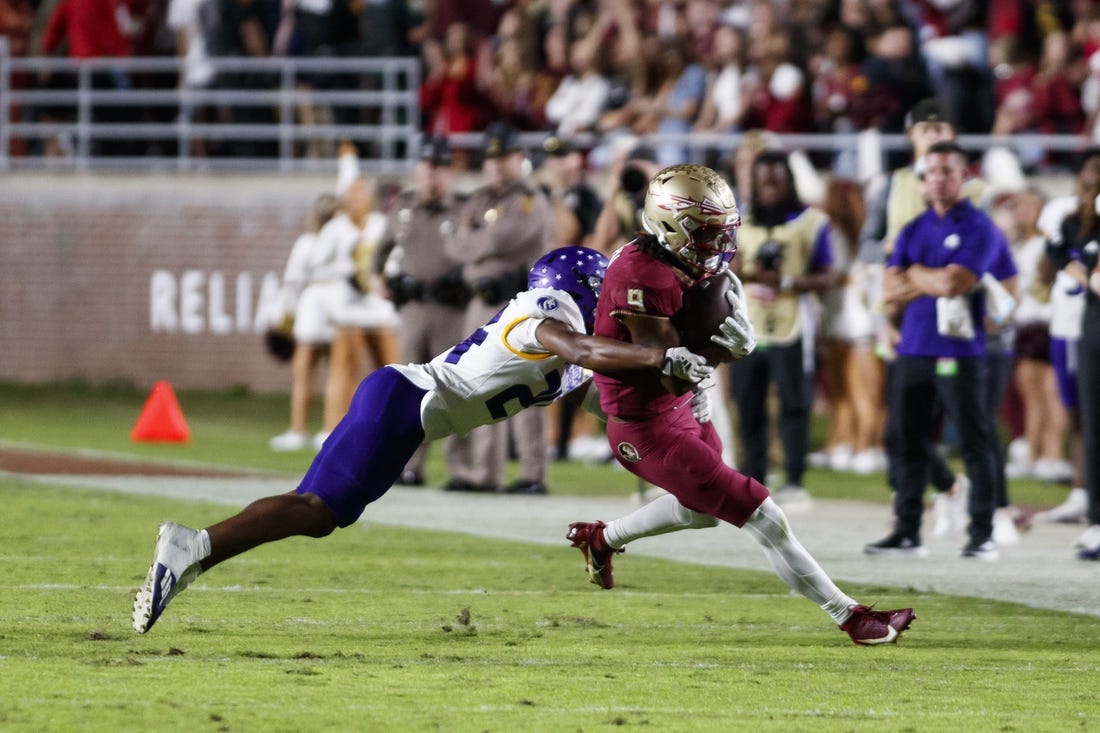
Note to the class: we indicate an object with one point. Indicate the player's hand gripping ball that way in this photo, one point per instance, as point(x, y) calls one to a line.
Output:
point(714, 307)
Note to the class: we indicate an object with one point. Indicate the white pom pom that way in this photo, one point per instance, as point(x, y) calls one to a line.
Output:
point(785, 82)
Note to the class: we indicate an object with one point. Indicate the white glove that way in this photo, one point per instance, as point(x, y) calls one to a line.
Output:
point(683, 364)
point(700, 400)
point(737, 334)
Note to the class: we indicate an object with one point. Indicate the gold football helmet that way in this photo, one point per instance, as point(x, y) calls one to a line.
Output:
point(692, 212)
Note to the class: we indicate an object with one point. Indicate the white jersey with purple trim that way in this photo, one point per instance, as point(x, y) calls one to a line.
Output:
point(500, 369)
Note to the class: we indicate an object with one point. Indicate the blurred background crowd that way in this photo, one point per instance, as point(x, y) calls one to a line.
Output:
point(608, 66)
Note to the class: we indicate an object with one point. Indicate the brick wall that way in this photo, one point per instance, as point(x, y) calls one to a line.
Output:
point(139, 278)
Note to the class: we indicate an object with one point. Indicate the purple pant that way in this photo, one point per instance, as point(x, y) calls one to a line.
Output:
point(1063, 357)
point(684, 458)
point(367, 451)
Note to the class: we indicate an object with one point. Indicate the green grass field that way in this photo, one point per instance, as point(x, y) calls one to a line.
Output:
point(384, 629)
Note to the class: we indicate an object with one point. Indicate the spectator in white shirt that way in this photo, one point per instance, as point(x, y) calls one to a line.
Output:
point(576, 104)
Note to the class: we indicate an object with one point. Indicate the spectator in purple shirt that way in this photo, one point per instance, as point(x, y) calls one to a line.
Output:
point(937, 261)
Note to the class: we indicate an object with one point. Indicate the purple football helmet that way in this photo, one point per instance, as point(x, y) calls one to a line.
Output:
point(578, 271)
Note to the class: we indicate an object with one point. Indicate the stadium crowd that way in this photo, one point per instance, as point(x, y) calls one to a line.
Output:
point(607, 66)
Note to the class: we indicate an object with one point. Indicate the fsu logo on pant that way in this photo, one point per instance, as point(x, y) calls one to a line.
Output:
point(628, 452)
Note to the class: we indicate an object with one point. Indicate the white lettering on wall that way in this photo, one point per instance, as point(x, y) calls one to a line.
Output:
point(162, 302)
point(220, 321)
point(244, 298)
point(269, 306)
point(192, 301)
point(198, 302)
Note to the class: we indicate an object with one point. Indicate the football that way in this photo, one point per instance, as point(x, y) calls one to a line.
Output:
point(704, 308)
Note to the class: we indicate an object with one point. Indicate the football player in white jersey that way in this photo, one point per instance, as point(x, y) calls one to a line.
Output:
point(535, 350)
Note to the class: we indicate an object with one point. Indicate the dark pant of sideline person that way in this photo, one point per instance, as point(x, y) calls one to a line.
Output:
point(1088, 391)
point(960, 386)
point(940, 474)
point(999, 368)
point(749, 380)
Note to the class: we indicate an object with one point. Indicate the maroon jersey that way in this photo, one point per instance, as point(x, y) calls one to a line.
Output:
point(638, 284)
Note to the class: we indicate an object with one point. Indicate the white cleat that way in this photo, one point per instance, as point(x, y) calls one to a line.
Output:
point(289, 441)
point(1089, 540)
point(840, 458)
point(1004, 528)
point(176, 560)
point(1070, 511)
point(1053, 471)
point(868, 461)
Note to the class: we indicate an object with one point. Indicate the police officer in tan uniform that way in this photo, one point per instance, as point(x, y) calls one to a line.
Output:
point(418, 259)
point(784, 256)
point(503, 228)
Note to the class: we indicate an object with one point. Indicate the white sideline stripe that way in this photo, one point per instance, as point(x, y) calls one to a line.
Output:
point(1041, 571)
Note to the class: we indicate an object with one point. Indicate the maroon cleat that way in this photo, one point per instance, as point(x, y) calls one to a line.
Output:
point(588, 538)
point(867, 626)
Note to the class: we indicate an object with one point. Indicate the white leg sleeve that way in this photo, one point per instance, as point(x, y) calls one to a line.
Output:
point(793, 564)
point(663, 514)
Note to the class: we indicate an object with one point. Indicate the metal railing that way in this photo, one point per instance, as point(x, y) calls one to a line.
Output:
point(101, 122)
point(99, 118)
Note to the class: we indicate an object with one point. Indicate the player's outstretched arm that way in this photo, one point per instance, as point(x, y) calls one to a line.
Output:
point(608, 356)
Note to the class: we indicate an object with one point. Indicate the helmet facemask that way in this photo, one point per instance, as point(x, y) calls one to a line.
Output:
point(711, 247)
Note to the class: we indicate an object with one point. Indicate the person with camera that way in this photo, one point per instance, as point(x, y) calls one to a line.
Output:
point(785, 257)
point(503, 228)
point(418, 260)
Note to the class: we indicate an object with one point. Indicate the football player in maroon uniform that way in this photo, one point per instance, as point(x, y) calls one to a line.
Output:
point(691, 221)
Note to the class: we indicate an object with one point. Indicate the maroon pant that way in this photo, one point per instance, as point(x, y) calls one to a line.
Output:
point(684, 458)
